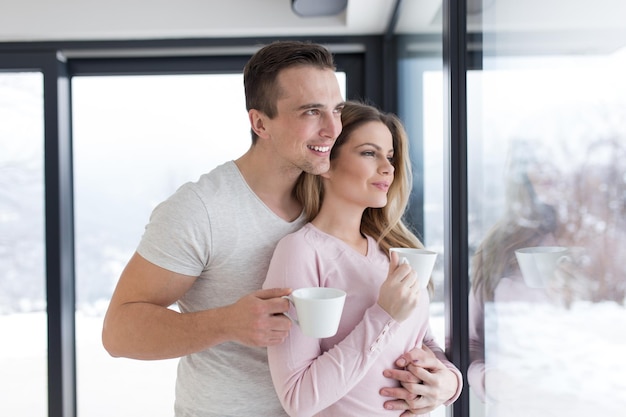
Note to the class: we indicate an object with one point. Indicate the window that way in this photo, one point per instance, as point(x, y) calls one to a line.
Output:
point(23, 320)
point(547, 170)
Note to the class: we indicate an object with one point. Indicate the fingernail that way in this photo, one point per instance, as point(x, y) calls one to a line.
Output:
point(402, 362)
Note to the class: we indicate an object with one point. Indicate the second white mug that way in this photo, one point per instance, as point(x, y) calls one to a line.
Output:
point(421, 260)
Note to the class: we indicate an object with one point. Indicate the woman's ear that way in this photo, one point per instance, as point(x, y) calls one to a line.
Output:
point(257, 122)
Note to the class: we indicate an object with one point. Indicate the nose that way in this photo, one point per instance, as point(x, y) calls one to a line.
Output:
point(387, 167)
point(331, 125)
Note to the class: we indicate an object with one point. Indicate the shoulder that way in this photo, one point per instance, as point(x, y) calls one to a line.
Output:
point(191, 202)
point(224, 177)
point(311, 236)
point(307, 243)
point(302, 239)
point(221, 189)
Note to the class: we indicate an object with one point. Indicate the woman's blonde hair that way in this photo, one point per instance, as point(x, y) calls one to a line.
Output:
point(385, 224)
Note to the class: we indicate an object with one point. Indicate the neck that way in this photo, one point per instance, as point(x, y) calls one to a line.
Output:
point(343, 224)
point(272, 183)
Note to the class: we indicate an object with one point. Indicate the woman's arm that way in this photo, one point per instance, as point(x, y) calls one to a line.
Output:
point(308, 380)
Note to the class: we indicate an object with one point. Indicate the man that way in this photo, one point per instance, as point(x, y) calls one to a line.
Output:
point(208, 246)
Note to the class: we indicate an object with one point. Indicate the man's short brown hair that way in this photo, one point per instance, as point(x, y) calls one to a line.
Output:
point(261, 71)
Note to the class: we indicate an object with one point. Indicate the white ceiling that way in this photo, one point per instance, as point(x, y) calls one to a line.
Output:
point(582, 25)
point(31, 20)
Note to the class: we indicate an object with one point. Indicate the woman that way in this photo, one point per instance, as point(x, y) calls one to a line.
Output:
point(355, 212)
point(529, 220)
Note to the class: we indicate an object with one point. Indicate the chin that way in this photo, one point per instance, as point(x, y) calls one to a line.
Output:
point(318, 168)
point(379, 204)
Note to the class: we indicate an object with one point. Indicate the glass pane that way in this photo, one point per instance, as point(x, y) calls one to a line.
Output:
point(420, 95)
point(23, 320)
point(137, 139)
point(547, 167)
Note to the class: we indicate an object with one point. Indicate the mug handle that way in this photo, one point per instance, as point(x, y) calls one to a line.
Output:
point(563, 259)
point(288, 298)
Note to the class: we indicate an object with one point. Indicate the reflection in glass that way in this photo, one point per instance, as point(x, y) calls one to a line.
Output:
point(547, 141)
point(23, 321)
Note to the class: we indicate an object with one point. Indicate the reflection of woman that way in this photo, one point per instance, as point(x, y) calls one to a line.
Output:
point(528, 221)
point(596, 219)
point(356, 210)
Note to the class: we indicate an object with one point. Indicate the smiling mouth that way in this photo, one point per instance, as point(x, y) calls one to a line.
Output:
point(319, 148)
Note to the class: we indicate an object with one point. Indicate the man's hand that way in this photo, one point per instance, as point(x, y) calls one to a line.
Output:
point(257, 320)
point(426, 383)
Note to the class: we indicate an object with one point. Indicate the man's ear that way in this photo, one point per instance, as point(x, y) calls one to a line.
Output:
point(257, 122)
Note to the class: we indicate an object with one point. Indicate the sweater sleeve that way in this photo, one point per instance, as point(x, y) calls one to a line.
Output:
point(306, 378)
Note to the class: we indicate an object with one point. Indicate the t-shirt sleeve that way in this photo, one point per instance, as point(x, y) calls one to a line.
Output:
point(177, 237)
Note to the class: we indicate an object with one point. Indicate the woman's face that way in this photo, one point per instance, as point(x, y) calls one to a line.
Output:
point(546, 179)
point(362, 171)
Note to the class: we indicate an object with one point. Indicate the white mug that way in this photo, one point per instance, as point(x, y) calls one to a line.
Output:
point(318, 310)
point(421, 260)
point(539, 263)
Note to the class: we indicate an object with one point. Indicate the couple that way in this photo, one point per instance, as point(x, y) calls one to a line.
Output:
point(192, 253)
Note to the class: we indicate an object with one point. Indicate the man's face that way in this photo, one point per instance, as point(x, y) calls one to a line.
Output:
point(308, 118)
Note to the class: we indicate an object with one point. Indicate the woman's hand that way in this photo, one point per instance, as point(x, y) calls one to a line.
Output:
point(399, 293)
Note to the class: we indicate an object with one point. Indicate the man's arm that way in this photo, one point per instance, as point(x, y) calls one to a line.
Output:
point(139, 325)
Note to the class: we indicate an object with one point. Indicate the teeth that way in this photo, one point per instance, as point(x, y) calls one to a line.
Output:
point(320, 148)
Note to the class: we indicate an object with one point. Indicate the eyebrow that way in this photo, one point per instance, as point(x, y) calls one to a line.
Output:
point(319, 106)
point(375, 146)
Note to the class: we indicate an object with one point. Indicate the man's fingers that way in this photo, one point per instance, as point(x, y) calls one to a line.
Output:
point(399, 394)
point(421, 373)
point(401, 375)
point(272, 293)
point(396, 405)
point(275, 304)
point(410, 408)
point(277, 337)
point(424, 358)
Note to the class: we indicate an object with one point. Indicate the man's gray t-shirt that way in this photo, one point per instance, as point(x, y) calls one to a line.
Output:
point(219, 230)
